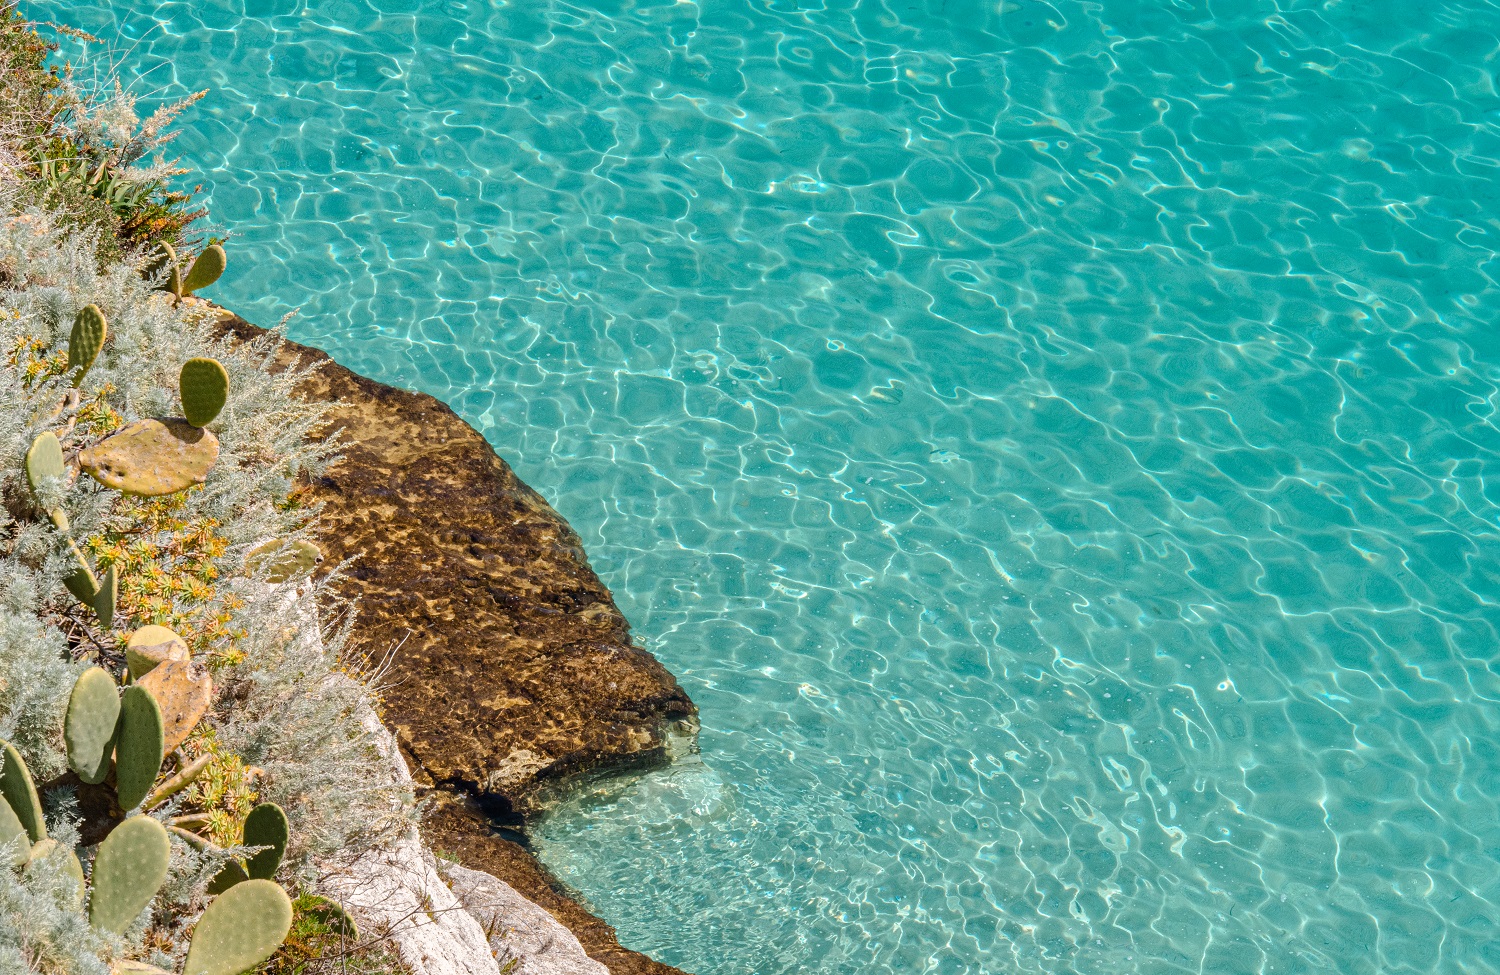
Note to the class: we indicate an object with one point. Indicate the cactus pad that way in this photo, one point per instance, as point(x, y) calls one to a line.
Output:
point(44, 460)
point(266, 826)
point(282, 562)
point(49, 849)
point(168, 260)
point(12, 832)
point(152, 457)
point(206, 269)
point(129, 870)
point(89, 729)
point(183, 691)
point(105, 597)
point(89, 332)
point(20, 793)
point(81, 582)
point(152, 645)
point(333, 915)
point(242, 928)
point(204, 386)
point(138, 746)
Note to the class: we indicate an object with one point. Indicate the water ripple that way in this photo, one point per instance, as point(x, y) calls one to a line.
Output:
point(1054, 442)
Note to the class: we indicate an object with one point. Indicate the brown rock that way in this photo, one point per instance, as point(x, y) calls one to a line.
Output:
point(515, 670)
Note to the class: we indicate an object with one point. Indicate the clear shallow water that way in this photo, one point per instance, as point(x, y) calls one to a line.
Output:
point(1054, 444)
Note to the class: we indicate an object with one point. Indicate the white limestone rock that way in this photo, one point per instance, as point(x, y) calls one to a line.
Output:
point(397, 891)
point(521, 933)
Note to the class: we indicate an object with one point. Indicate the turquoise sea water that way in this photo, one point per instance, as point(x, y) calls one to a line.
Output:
point(1054, 443)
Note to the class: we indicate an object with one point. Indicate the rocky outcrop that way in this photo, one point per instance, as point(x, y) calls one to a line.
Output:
point(515, 670)
point(525, 939)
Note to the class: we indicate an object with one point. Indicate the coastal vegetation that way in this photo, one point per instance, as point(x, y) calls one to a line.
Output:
point(184, 738)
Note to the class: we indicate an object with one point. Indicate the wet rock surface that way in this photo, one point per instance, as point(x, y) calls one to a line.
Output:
point(515, 671)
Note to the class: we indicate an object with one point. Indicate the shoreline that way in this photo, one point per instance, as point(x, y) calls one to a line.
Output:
point(515, 673)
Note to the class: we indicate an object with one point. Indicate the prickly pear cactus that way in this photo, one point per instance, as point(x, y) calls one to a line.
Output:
point(89, 728)
point(333, 914)
point(242, 928)
point(20, 793)
point(152, 645)
point(44, 460)
point(167, 259)
point(81, 582)
point(89, 331)
point(105, 597)
point(183, 690)
point(12, 832)
point(129, 870)
point(265, 826)
point(50, 849)
point(152, 457)
point(283, 562)
point(204, 386)
point(138, 746)
point(206, 269)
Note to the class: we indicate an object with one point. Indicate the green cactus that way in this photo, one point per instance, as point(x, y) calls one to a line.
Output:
point(283, 562)
point(12, 832)
point(20, 793)
point(332, 914)
point(89, 728)
point(138, 746)
point(129, 870)
point(104, 599)
point(152, 457)
point(48, 849)
point(204, 386)
point(265, 826)
point(150, 646)
point(205, 270)
point(44, 460)
point(89, 331)
point(167, 259)
point(242, 928)
point(81, 582)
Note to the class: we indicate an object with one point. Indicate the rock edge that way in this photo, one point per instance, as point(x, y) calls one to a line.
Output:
point(516, 672)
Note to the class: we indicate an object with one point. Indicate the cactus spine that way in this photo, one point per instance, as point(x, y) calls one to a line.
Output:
point(89, 728)
point(129, 870)
point(204, 387)
point(138, 746)
point(89, 332)
point(242, 928)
